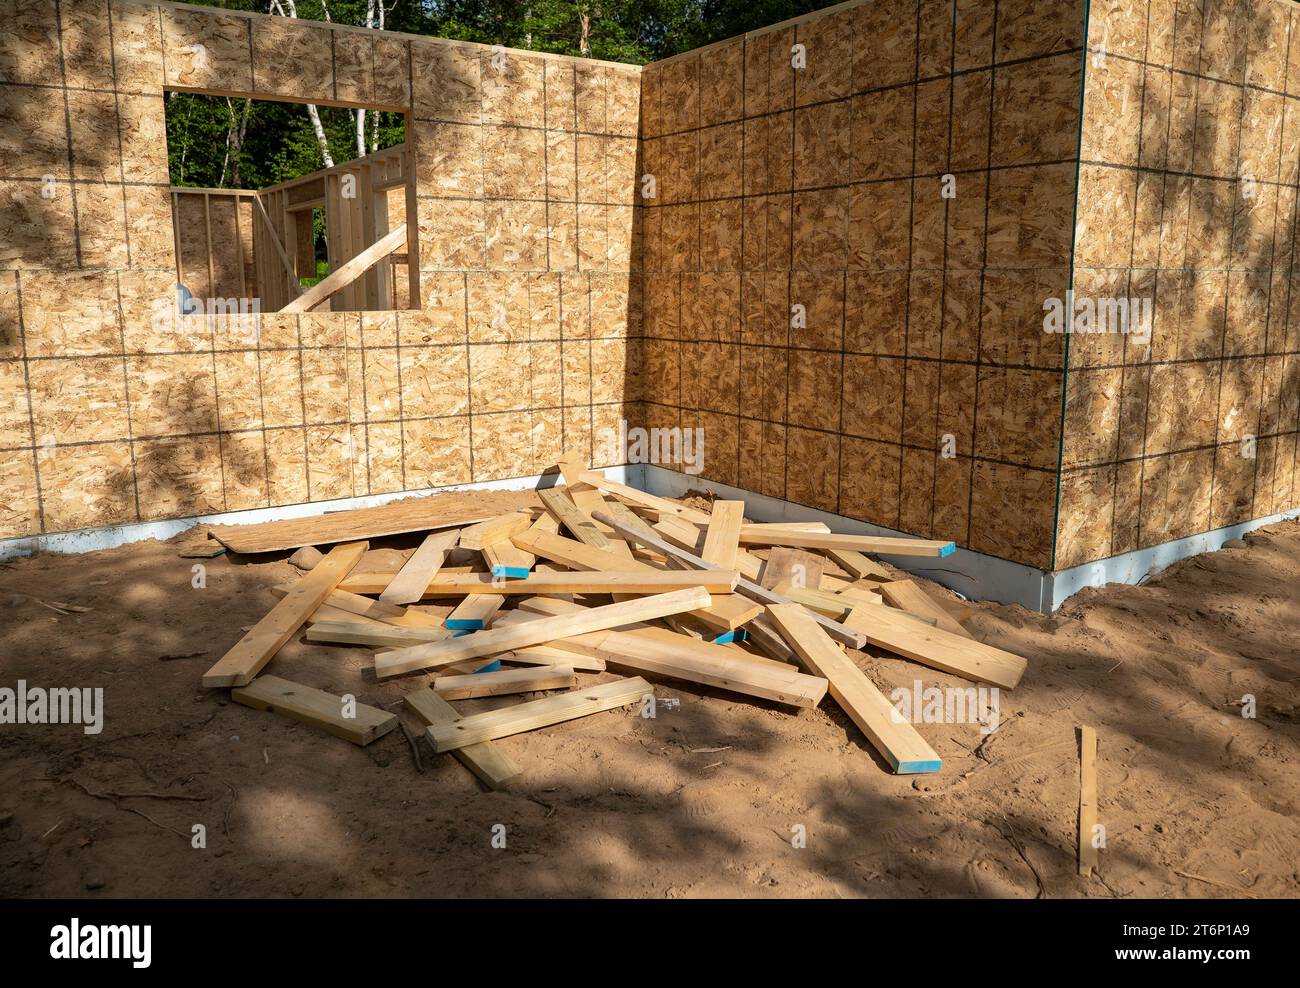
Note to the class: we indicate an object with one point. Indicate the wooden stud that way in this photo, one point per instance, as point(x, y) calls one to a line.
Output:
point(252, 652)
point(636, 581)
point(474, 613)
point(753, 591)
point(1089, 858)
point(533, 714)
point(413, 578)
point(722, 538)
point(900, 633)
point(485, 760)
point(354, 721)
point(907, 596)
point(494, 641)
point(896, 740)
point(749, 535)
point(504, 681)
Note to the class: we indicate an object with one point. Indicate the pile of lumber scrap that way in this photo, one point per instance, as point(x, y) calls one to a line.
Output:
point(597, 578)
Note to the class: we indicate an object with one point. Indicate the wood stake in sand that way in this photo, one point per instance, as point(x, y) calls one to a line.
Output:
point(1088, 856)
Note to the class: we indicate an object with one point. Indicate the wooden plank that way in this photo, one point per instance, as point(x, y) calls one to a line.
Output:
point(494, 641)
point(506, 561)
point(797, 567)
point(494, 768)
point(660, 505)
point(695, 661)
point(901, 634)
point(352, 269)
point(897, 741)
point(571, 517)
point(1089, 858)
point(316, 707)
point(636, 581)
point(841, 633)
point(547, 655)
point(534, 714)
point(364, 607)
point(907, 596)
point(725, 613)
point(858, 565)
point(749, 535)
point(504, 681)
point(413, 578)
point(415, 514)
point(588, 499)
point(252, 652)
point(495, 529)
point(383, 636)
point(722, 538)
point(474, 613)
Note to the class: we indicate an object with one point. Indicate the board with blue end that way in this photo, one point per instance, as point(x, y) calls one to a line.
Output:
point(510, 572)
point(465, 624)
point(948, 550)
point(925, 767)
point(734, 635)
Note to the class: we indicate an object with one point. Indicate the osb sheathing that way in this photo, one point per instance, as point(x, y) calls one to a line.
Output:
point(821, 187)
point(1187, 195)
point(524, 347)
point(556, 302)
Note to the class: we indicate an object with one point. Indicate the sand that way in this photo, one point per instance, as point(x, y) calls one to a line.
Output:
point(703, 800)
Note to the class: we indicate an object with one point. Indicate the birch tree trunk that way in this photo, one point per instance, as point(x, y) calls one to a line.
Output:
point(312, 113)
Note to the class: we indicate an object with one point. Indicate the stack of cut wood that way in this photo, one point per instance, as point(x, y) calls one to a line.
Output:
point(603, 577)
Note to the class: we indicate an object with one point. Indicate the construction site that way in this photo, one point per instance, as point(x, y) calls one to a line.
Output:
point(852, 459)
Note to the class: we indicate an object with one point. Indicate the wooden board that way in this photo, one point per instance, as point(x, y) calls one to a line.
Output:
point(1088, 854)
point(495, 529)
point(568, 514)
point(416, 514)
point(494, 641)
point(907, 596)
point(474, 613)
point(373, 635)
point(506, 561)
point(858, 565)
point(900, 633)
point(797, 567)
point(409, 584)
point(534, 714)
point(252, 652)
point(753, 591)
point(722, 537)
point(659, 505)
point(638, 582)
point(897, 741)
point(505, 681)
point(485, 760)
point(749, 535)
point(315, 707)
point(364, 607)
point(695, 661)
point(547, 655)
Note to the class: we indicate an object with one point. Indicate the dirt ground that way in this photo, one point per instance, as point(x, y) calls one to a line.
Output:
point(702, 800)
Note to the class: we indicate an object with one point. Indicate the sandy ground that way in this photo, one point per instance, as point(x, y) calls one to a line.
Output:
point(702, 800)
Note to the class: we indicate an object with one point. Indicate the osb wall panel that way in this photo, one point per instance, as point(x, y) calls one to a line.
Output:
point(1187, 196)
point(525, 346)
point(821, 187)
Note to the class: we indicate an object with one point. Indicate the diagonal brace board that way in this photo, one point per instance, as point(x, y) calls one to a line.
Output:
point(496, 640)
point(252, 652)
